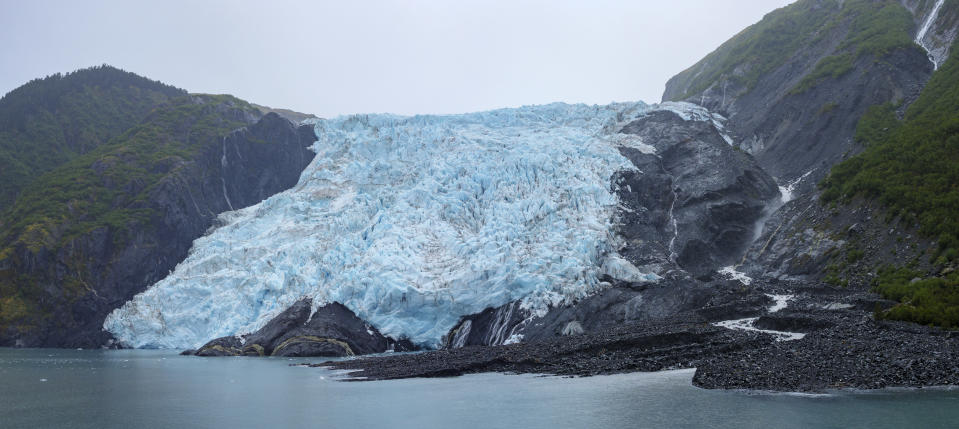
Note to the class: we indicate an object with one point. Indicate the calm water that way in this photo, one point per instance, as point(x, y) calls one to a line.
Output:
point(155, 389)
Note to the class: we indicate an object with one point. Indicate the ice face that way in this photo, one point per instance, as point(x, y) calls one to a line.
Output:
point(411, 222)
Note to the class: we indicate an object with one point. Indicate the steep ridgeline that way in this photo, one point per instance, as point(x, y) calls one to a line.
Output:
point(795, 84)
point(855, 105)
point(88, 235)
point(50, 121)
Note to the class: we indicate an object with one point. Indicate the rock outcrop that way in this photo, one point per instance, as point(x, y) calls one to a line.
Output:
point(333, 330)
point(692, 206)
point(696, 194)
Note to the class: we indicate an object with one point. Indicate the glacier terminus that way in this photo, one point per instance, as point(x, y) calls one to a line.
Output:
point(412, 223)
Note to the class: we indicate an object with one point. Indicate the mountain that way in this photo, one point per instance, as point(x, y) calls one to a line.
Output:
point(88, 234)
point(719, 187)
point(885, 167)
point(795, 84)
point(850, 107)
point(48, 122)
point(785, 210)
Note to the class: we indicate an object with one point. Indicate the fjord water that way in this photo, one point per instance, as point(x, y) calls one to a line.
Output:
point(146, 388)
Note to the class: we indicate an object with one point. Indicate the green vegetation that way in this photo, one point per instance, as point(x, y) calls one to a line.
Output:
point(107, 186)
point(107, 189)
point(911, 166)
point(827, 108)
point(929, 301)
point(831, 67)
point(761, 48)
point(868, 27)
point(876, 28)
point(47, 122)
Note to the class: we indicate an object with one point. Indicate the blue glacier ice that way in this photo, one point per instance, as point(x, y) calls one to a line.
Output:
point(413, 222)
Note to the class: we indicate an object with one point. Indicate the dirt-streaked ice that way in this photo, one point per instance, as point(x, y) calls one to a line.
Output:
point(411, 222)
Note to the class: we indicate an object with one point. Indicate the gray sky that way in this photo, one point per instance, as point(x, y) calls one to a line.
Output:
point(406, 57)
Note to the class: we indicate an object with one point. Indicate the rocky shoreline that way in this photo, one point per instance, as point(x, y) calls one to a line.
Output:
point(842, 346)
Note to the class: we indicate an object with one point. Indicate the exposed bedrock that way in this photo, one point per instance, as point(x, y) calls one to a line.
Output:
point(333, 330)
point(791, 132)
point(697, 201)
point(678, 298)
point(694, 204)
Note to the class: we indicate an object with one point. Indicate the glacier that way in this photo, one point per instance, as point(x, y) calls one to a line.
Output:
point(413, 222)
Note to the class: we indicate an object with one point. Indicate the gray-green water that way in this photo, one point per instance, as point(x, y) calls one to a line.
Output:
point(155, 389)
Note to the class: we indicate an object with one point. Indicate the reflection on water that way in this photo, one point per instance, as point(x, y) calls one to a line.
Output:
point(142, 388)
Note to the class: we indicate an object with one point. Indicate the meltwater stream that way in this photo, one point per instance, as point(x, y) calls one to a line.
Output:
point(159, 389)
point(921, 35)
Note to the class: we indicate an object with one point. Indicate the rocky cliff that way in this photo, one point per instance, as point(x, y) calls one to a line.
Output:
point(91, 234)
point(794, 85)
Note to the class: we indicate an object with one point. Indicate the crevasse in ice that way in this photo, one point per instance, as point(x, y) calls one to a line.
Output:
point(411, 222)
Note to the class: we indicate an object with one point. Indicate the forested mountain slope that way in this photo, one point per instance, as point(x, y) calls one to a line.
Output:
point(50, 121)
point(88, 234)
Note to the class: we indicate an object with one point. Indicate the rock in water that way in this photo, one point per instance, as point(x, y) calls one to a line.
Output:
point(333, 330)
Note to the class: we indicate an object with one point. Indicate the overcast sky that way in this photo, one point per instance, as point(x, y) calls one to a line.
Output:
point(339, 57)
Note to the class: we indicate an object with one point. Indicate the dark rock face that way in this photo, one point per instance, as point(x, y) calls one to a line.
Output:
point(678, 298)
point(798, 135)
point(692, 208)
point(624, 304)
point(804, 240)
point(813, 130)
point(492, 326)
point(794, 133)
point(697, 201)
point(239, 170)
point(333, 330)
point(791, 322)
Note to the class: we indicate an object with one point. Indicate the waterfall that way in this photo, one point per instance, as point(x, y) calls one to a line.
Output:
point(925, 29)
point(500, 330)
point(224, 164)
point(459, 340)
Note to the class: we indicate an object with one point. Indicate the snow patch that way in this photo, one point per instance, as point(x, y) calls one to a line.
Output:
point(748, 324)
point(837, 306)
point(731, 273)
point(779, 302)
point(693, 112)
point(621, 269)
point(633, 141)
point(514, 339)
point(788, 192)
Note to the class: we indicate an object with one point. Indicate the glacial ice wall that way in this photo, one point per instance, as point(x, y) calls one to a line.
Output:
point(411, 222)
